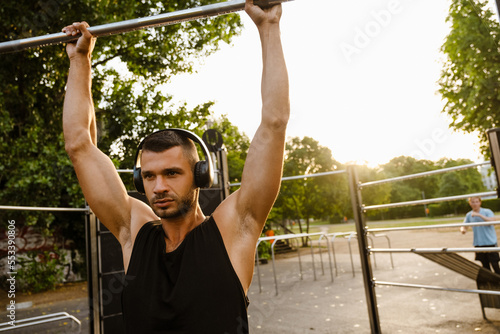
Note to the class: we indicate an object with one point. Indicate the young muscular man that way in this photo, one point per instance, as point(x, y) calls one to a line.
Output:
point(186, 273)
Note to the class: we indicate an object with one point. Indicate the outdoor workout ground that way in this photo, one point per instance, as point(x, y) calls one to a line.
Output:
point(320, 306)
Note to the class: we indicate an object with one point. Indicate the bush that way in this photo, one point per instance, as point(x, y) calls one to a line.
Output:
point(264, 250)
point(39, 271)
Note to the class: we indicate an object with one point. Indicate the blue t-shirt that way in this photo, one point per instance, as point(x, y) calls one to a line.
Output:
point(483, 235)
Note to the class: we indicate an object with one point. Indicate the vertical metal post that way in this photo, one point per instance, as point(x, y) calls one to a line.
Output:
point(312, 256)
point(359, 218)
point(350, 254)
point(274, 266)
point(258, 264)
point(93, 273)
point(497, 2)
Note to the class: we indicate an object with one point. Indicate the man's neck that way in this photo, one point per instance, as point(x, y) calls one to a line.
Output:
point(176, 229)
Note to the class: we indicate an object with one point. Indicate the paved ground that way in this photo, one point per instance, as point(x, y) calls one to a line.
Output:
point(322, 306)
point(309, 306)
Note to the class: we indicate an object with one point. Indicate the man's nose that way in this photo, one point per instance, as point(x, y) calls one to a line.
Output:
point(161, 185)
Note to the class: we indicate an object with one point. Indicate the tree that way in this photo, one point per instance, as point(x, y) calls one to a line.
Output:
point(413, 189)
point(469, 81)
point(128, 71)
point(376, 194)
point(462, 182)
point(236, 144)
point(309, 198)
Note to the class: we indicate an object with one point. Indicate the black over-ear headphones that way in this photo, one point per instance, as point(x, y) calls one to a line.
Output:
point(203, 174)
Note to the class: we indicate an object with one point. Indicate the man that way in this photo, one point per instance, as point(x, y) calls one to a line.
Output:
point(186, 273)
point(484, 236)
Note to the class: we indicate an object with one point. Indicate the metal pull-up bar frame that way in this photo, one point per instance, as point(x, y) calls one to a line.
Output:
point(360, 209)
point(136, 24)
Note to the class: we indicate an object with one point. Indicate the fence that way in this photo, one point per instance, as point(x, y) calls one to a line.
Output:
point(363, 231)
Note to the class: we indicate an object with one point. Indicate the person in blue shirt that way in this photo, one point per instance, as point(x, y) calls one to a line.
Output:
point(484, 236)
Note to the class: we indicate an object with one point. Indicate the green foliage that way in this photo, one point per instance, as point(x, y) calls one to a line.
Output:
point(129, 76)
point(236, 144)
point(40, 271)
point(469, 81)
point(128, 73)
point(264, 250)
point(310, 198)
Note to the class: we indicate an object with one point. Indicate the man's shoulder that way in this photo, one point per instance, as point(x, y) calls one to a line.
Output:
point(487, 212)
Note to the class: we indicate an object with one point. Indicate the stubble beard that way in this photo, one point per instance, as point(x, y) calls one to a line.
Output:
point(185, 204)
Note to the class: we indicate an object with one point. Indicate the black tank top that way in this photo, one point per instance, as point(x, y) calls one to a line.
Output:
point(193, 289)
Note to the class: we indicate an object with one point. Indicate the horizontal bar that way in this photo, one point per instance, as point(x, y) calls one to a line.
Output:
point(39, 320)
point(423, 227)
point(427, 201)
point(434, 250)
point(35, 208)
point(125, 170)
point(413, 176)
point(432, 287)
point(298, 177)
point(290, 236)
point(136, 24)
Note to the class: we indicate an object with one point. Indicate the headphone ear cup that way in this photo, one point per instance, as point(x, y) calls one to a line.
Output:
point(202, 174)
point(138, 182)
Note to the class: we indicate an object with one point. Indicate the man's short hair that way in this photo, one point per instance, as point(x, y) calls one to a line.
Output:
point(164, 140)
point(479, 198)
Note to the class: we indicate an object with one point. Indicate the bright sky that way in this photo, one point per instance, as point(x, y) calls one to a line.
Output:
point(362, 79)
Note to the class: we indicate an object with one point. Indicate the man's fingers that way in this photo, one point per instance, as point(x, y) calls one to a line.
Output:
point(77, 28)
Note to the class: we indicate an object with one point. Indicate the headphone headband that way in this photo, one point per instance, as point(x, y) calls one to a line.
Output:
point(203, 174)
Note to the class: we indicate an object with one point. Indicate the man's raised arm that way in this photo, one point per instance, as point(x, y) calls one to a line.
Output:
point(101, 184)
point(262, 173)
point(264, 164)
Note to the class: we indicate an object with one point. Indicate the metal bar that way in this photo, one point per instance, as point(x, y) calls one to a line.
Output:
point(350, 252)
point(432, 287)
point(388, 243)
point(136, 24)
point(300, 261)
point(370, 245)
point(258, 264)
point(423, 227)
point(39, 320)
point(359, 218)
point(329, 258)
point(428, 201)
point(312, 256)
point(329, 255)
point(284, 237)
point(435, 250)
point(34, 208)
point(93, 273)
point(332, 241)
point(298, 177)
point(274, 266)
point(288, 178)
point(497, 7)
point(432, 172)
point(125, 170)
point(320, 255)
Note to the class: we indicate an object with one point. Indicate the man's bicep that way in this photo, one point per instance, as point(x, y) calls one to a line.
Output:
point(103, 189)
point(262, 173)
